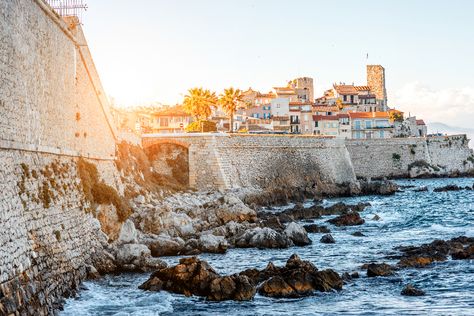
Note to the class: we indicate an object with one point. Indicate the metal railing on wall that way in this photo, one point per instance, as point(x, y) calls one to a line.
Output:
point(68, 7)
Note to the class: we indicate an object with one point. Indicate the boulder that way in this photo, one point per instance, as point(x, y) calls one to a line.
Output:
point(127, 253)
point(410, 290)
point(383, 187)
point(262, 238)
point(128, 234)
point(234, 287)
point(349, 219)
point(376, 218)
point(297, 234)
point(358, 234)
point(313, 228)
point(327, 239)
point(212, 244)
point(379, 269)
point(166, 246)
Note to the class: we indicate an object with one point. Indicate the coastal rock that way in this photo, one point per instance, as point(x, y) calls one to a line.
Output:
point(376, 218)
point(212, 244)
point(379, 269)
point(128, 234)
point(384, 187)
point(263, 238)
point(297, 234)
point(127, 253)
point(234, 287)
point(349, 219)
point(313, 228)
point(451, 187)
point(358, 234)
point(300, 278)
point(327, 239)
point(410, 290)
point(166, 246)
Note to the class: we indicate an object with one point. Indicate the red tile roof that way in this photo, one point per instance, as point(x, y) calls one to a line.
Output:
point(362, 88)
point(345, 89)
point(420, 122)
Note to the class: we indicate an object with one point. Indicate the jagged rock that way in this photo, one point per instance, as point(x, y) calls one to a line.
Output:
point(376, 218)
point(379, 269)
point(313, 228)
point(212, 244)
point(128, 234)
point(191, 247)
point(451, 187)
point(92, 273)
point(349, 219)
point(127, 253)
point(234, 287)
point(262, 238)
point(410, 290)
point(327, 239)
point(421, 189)
point(297, 234)
point(415, 262)
point(165, 246)
point(358, 234)
point(300, 278)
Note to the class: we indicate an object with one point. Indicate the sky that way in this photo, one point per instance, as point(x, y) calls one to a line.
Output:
point(155, 50)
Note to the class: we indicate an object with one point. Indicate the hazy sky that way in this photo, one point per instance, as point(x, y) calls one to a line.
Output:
point(154, 50)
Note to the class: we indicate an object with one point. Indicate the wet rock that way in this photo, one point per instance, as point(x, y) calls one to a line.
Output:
point(358, 234)
point(379, 269)
point(376, 218)
point(234, 287)
point(300, 278)
point(313, 228)
point(297, 234)
point(451, 187)
point(212, 244)
point(92, 273)
point(327, 239)
point(383, 187)
point(263, 238)
point(349, 219)
point(419, 256)
point(421, 189)
point(410, 290)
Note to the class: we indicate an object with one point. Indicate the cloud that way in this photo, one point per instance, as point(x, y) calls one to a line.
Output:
point(451, 106)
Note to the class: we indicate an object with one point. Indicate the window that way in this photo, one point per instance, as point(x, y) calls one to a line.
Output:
point(368, 124)
point(357, 124)
point(344, 98)
point(316, 124)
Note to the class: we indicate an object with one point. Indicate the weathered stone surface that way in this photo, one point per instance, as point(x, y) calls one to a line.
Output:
point(349, 219)
point(297, 234)
point(327, 239)
point(263, 238)
point(212, 244)
point(128, 234)
point(313, 228)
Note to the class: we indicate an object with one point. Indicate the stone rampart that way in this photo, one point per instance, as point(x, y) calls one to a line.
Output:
point(378, 158)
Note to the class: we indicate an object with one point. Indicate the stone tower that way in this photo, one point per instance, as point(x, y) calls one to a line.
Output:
point(376, 82)
point(304, 85)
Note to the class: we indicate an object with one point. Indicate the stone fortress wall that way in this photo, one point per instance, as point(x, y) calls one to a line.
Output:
point(52, 111)
point(394, 157)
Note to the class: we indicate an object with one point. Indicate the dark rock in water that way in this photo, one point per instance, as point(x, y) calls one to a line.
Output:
point(358, 234)
point(379, 269)
point(383, 187)
point(195, 277)
point(419, 256)
point(376, 218)
point(349, 219)
point(273, 222)
point(410, 290)
point(451, 187)
point(346, 276)
point(313, 228)
point(327, 239)
point(341, 208)
point(355, 275)
point(300, 278)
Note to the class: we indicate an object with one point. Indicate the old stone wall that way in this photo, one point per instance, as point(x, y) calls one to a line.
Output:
point(378, 158)
point(52, 111)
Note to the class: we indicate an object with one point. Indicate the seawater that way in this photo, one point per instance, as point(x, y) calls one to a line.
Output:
point(407, 218)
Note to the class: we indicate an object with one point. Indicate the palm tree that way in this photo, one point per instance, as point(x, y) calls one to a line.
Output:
point(229, 100)
point(198, 103)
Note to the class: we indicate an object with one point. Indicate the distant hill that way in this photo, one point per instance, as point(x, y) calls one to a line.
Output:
point(437, 127)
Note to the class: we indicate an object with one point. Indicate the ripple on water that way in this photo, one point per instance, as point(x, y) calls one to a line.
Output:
point(407, 218)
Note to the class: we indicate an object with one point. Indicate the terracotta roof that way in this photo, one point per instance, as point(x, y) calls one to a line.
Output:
point(362, 88)
point(345, 89)
point(300, 103)
point(356, 115)
point(420, 122)
point(329, 117)
point(173, 111)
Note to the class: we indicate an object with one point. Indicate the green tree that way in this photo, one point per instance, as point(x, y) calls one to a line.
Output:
point(230, 100)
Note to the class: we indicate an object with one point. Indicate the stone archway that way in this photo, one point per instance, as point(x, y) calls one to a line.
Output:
point(170, 159)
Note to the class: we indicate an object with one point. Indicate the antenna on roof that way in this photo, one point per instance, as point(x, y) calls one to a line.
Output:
point(68, 7)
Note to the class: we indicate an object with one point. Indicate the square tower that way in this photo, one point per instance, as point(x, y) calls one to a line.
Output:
point(304, 87)
point(376, 83)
